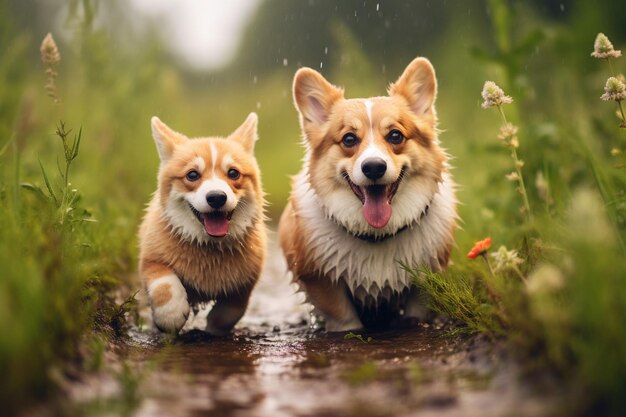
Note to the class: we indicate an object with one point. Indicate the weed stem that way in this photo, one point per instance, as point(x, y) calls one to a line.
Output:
point(519, 273)
point(521, 183)
point(502, 114)
point(621, 110)
point(611, 66)
point(518, 169)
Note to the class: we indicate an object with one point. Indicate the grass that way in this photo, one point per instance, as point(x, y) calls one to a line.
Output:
point(57, 288)
point(560, 303)
point(69, 208)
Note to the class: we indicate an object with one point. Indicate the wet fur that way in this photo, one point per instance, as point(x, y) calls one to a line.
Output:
point(179, 262)
point(344, 277)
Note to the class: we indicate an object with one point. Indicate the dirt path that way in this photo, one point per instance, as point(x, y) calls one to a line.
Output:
point(275, 364)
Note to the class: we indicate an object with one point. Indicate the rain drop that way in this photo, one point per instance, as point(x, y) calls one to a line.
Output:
point(285, 62)
point(254, 79)
point(562, 7)
point(321, 65)
point(326, 50)
point(377, 6)
point(258, 105)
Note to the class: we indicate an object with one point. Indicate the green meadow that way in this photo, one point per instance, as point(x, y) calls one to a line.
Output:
point(78, 165)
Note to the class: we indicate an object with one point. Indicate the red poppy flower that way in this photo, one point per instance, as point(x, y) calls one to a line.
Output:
point(479, 248)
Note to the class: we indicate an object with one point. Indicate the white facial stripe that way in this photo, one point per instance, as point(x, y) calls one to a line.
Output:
point(227, 162)
point(199, 162)
point(372, 151)
point(368, 108)
point(198, 198)
point(213, 159)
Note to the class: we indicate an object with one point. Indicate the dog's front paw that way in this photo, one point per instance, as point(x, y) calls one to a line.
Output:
point(168, 299)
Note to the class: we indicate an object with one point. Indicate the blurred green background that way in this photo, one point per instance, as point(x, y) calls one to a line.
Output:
point(202, 66)
point(118, 69)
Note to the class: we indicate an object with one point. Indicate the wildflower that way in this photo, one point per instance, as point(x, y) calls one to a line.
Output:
point(50, 57)
point(513, 176)
point(519, 163)
point(480, 248)
point(545, 279)
point(614, 89)
point(507, 131)
point(505, 259)
point(603, 48)
point(494, 95)
point(616, 152)
point(508, 135)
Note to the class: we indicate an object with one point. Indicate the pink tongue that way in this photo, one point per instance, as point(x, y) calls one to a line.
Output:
point(216, 224)
point(376, 209)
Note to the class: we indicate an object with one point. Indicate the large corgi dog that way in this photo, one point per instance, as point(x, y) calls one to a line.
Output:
point(203, 236)
point(374, 192)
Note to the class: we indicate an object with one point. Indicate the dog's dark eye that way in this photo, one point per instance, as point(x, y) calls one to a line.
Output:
point(349, 140)
point(233, 174)
point(193, 175)
point(395, 137)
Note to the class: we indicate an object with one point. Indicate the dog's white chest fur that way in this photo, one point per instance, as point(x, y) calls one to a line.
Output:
point(375, 267)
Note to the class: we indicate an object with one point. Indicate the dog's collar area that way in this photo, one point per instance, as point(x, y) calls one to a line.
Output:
point(373, 238)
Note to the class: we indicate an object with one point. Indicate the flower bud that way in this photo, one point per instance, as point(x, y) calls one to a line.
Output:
point(493, 95)
point(603, 48)
point(614, 89)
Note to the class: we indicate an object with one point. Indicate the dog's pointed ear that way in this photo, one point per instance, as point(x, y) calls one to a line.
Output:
point(165, 138)
point(246, 134)
point(418, 86)
point(314, 96)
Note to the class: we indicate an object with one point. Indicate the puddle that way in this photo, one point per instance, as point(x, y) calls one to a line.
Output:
point(275, 364)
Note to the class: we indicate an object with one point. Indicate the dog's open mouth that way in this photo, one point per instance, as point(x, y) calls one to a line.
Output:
point(215, 222)
point(376, 200)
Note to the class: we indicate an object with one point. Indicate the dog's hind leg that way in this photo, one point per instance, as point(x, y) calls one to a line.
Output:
point(416, 306)
point(227, 311)
point(333, 301)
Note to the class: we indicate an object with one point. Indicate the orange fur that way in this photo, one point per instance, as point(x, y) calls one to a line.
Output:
point(325, 118)
point(209, 268)
point(161, 295)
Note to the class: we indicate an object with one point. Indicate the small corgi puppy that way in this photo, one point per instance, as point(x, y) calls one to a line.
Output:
point(203, 236)
point(375, 192)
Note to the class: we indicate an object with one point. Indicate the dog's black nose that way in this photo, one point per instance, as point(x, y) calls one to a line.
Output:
point(216, 199)
point(374, 168)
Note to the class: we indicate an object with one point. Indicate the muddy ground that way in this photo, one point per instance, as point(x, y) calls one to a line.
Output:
point(277, 363)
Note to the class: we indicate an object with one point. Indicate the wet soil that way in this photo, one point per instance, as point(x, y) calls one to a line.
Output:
point(277, 363)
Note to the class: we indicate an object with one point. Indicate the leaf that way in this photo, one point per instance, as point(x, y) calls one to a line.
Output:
point(76, 144)
point(35, 190)
point(48, 186)
point(358, 337)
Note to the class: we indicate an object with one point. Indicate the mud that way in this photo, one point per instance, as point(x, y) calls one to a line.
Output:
point(277, 363)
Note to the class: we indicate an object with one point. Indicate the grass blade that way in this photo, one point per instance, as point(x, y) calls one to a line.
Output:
point(48, 185)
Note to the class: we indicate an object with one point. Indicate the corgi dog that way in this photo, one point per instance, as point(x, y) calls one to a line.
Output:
point(375, 192)
point(203, 236)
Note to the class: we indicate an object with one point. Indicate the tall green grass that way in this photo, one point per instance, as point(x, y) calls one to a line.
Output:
point(63, 265)
point(59, 276)
point(62, 271)
point(563, 310)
